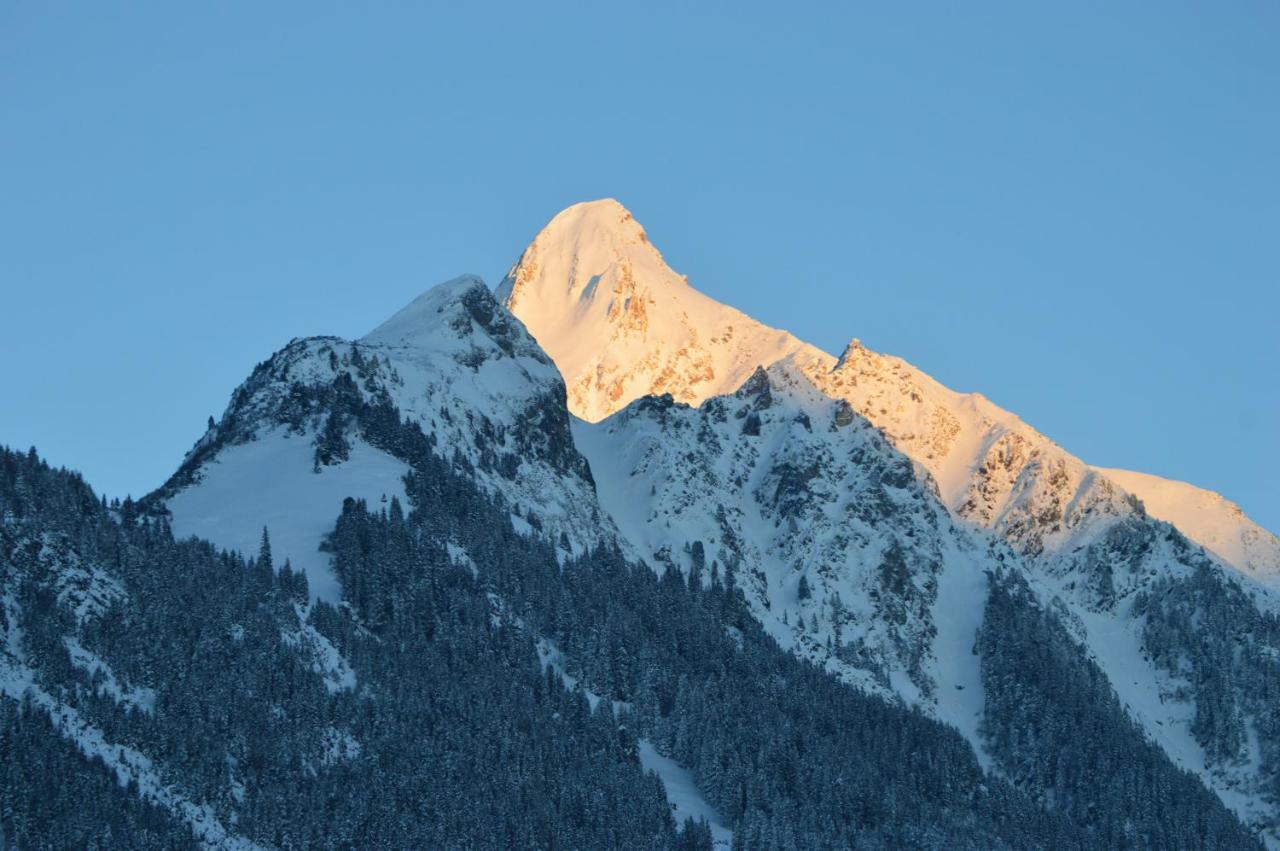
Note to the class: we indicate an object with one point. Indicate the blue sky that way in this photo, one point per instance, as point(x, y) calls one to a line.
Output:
point(1075, 210)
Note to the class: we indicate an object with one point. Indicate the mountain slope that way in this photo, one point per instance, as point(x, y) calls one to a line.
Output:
point(620, 325)
point(447, 684)
point(242, 741)
point(851, 561)
point(1209, 519)
point(296, 438)
point(841, 553)
point(772, 473)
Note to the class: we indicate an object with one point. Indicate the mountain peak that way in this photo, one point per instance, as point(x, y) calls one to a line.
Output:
point(576, 248)
point(602, 211)
point(593, 219)
point(850, 352)
point(620, 323)
point(426, 313)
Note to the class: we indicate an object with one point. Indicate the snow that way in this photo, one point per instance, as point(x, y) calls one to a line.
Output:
point(665, 480)
point(461, 373)
point(683, 794)
point(620, 324)
point(338, 746)
point(454, 362)
point(271, 482)
point(550, 656)
point(86, 589)
point(669, 476)
point(439, 349)
point(139, 698)
point(326, 660)
point(416, 324)
point(681, 789)
point(1209, 519)
point(1149, 697)
point(1113, 639)
point(957, 614)
point(18, 680)
point(459, 556)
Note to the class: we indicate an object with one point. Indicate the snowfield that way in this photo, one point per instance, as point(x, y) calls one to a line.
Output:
point(272, 482)
point(686, 801)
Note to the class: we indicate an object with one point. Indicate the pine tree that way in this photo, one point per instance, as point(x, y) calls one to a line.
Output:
point(264, 553)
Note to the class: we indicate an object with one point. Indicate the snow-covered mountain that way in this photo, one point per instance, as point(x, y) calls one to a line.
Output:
point(697, 491)
point(858, 504)
point(620, 325)
point(715, 439)
point(296, 438)
point(850, 560)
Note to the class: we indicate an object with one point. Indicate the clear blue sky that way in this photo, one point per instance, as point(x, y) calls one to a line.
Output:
point(1075, 210)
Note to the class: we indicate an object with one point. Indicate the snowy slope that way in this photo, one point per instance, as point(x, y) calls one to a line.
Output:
point(780, 483)
point(272, 482)
point(86, 590)
point(687, 801)
point(843, 554)
point(680, 786)
point(455, 363)
point(1209, 519)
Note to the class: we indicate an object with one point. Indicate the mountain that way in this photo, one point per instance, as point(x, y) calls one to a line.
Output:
point(419, 590)
point(193, 696)
point(620, 325)
point(779, 458)
point(288, 449)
